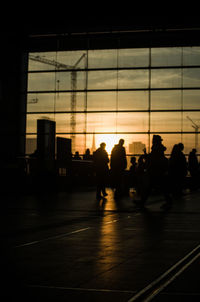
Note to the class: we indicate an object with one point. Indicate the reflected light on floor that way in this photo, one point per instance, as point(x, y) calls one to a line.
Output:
point(109, 244)
point(108, 203)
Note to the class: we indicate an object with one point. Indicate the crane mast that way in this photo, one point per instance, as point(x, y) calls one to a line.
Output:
point(196, 128)
point(73, 69)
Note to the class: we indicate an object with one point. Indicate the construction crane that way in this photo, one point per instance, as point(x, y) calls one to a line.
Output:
point(196, 128)
point(73, 69)
point(33, 101)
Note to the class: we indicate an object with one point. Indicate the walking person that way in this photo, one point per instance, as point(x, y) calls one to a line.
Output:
point(118, 166)
point(177, 170)
point(101, 161)
point(154, 173)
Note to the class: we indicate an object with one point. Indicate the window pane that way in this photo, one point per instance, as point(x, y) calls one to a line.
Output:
point(101, 122)
point(191, 99)
point(191, 77)
point(102, 100)
point(42, 81)
point(72, 59)
point(138, 57)
point(166, 56)
point(40, 102)
point(121, 100)
point(166, 78)
point(63, 122)
point(56, 81)
point(191, 56)
point(41, 61)
point(131, 79)
point(106, 58)
point(117, 122)
point(189, 142)
point(57, 60)
point(164, 99)
point(165, 121)
point(102, 79)
point(133, 100)
point(191, 121)
point(132, 122)
point(75, 80)
point(63, 101)
point(37, 102)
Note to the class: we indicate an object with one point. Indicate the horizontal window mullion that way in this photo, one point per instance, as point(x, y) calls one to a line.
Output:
point(112, 111)
point(121, 133)
point(114, 68)
point(105, 90)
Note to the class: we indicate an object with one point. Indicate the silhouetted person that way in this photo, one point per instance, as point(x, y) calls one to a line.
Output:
point(155, 174)
point(177, 169)
point(193, 167)
point(87, 155)
point(101, 161)
point(118, 165)
point(77, 156)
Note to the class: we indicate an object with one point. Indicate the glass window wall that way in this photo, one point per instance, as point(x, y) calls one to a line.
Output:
point(104, 95)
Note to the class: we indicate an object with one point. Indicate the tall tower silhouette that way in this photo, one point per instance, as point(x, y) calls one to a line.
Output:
point(93, 143)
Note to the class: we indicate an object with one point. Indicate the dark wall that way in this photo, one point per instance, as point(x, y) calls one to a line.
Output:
point(12, 97)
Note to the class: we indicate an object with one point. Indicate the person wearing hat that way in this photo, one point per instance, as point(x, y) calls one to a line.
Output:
point(101, 161)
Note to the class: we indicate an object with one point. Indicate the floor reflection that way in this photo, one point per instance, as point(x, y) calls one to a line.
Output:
point(108, 203)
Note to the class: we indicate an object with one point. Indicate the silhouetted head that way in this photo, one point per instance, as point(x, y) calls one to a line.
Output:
point(121, 142)
point(194, 150)
point(103, 145)
point(133, 160)
point(157, 139)
point(181, 146)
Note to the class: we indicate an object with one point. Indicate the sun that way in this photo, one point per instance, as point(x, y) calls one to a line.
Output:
point(109, 139)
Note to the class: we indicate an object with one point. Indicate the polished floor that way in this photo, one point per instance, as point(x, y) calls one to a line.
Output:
point(70, 247)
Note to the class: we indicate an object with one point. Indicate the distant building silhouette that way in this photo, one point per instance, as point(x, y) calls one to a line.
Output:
point(136, 147)
point(31, 145)
point(93, 144)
